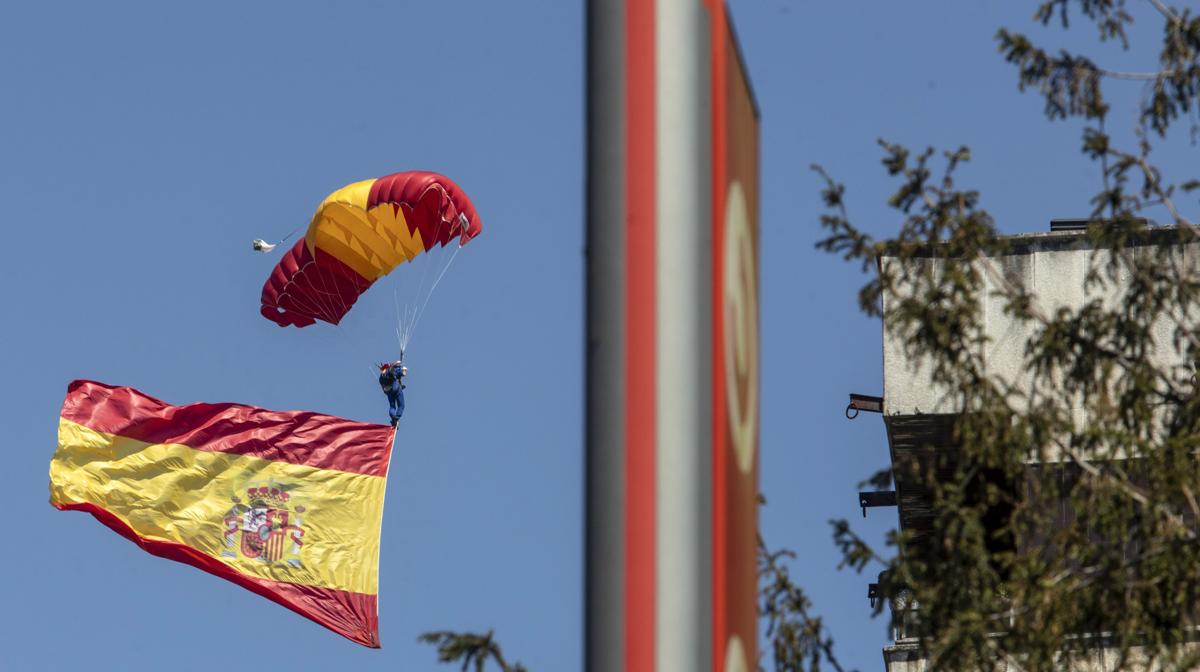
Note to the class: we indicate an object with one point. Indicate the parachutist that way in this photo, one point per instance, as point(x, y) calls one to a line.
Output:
point(261, 245)
point(391, 380)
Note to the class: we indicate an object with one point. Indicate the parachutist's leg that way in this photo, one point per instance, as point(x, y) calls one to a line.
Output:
point(400, 399)
point(395, 407)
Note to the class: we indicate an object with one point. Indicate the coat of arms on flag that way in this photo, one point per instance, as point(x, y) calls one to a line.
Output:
point(265, 524)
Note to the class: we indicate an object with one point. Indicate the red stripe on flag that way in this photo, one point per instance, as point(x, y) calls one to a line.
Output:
point(354, 616)
point(295, 437)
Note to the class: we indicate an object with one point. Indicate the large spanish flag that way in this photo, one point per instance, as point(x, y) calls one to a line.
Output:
point(286, 504)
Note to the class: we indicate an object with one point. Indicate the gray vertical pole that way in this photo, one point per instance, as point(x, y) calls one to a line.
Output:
point(684, 341)
point(604, 555)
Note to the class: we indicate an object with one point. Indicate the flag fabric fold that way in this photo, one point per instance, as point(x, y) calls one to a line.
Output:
point(286, 504)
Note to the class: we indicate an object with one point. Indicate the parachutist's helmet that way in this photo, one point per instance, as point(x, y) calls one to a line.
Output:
point(384, 366)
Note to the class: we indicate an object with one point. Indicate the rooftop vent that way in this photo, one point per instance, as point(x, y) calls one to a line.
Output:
point(1068, 225)
point(1082, 224)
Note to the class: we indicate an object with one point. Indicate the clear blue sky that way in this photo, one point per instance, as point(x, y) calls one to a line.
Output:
point(143, 145)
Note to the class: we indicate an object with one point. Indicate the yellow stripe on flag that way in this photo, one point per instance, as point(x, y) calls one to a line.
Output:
point(172, 492)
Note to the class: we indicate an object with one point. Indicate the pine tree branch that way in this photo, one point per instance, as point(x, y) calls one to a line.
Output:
point(1128, 488)
point(1166, 11)
point(796, 635)
point(470, 648)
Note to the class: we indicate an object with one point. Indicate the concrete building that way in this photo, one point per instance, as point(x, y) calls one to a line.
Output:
point(919, 415)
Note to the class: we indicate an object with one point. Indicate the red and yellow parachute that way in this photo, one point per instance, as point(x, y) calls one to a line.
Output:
point(358, 235)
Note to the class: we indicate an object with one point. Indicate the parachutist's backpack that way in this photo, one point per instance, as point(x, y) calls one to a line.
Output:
point(386, 380)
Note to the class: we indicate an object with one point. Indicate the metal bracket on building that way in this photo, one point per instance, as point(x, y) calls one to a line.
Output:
point(863, 402)
point(876, 498)
point(873, 588)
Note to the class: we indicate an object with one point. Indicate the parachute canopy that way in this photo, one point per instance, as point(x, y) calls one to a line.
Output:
point(359, 234)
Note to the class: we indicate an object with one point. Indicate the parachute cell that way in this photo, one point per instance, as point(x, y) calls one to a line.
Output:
point(359, 234)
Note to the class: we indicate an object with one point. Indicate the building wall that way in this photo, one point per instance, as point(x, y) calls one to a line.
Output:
point(1053, 266)
point(904, 657)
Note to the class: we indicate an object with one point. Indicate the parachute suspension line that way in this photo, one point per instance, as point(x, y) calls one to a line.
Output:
point(428, 296)
point(411, 312)
point(406, 327)
point(335, 297)
point(322, 293)
point(413, 309)
point(410, 315)
point(399, 320)
point(318, 286)
point(290, 234)
point(297, 301)
point(396, 304)
point(318, 308)
point(336, 306)
point(343, 306)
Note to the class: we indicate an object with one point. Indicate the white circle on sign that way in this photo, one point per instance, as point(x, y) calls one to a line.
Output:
point(741, 327)
point(735, 656)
